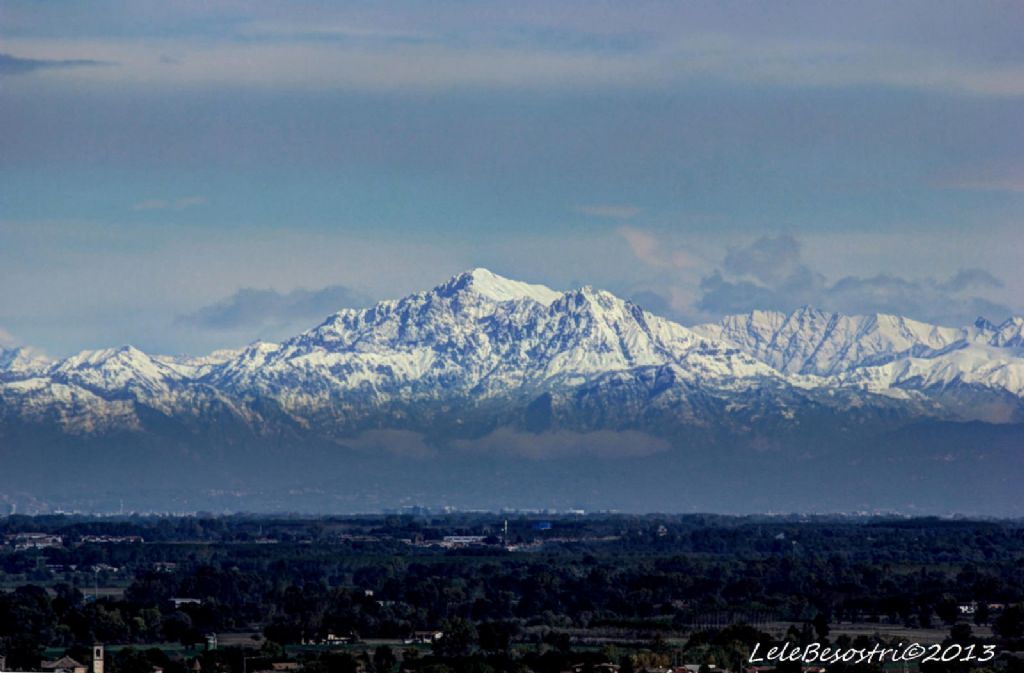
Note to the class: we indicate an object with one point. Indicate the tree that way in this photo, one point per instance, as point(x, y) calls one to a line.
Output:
point(658, 643)
point(821, 627)
point(384, 659)
point(130, 660)
point(282, 631)
point(339, 662)
point(458, 639)
point(26, 625)
point(559, 640)
point(495, 637)
point(961, 633)
point(948, 610)
point(1010, 624)
point(176, 625)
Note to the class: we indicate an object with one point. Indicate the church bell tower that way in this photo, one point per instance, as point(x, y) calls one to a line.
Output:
point(97, 658)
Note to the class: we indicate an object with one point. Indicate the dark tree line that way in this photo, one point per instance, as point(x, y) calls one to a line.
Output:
point(296, 580)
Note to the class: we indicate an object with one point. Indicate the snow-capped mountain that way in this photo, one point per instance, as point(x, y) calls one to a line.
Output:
point(476, 337)
point(809, 341)
point(488, 346)
point(483, 370)
point(21, 361)
point(1009, 334)
point(882, 353)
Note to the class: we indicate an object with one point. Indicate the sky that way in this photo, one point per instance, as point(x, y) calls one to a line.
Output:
point(193, 175)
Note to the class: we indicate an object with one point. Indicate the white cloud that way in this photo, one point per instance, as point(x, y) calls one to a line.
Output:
point(67, 301)
point(650, 250)
point(615, 212)
point(774, 273)
point(189, 201)
point(174, 204)
point(665, 60)
point(770, 273)
point(7, 339)
point(1012, 183)
point(251, 308)
point(328, 29)
point(151, 204)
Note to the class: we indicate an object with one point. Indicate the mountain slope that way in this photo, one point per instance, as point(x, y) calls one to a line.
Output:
point(480, 341)
point(486, 371)
point(20, 362)
point(464, 339)
point(887, 354)
point(809, 341)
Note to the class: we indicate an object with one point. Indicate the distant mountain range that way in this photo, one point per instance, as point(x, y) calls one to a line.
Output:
point(486, 391)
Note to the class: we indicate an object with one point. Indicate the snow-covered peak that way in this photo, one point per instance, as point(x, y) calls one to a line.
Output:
point(1008, 334)
point(483, 333)
point(116, 368)
point(216, 357)
point(811, 341)
point(974, 365)
point(21, 361)
point(488, 284)
point(480, 338)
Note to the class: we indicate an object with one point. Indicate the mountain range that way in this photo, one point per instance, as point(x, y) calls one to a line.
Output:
point(490, 392)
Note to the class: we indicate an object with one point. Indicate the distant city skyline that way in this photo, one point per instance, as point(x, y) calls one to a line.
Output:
point(192, 176)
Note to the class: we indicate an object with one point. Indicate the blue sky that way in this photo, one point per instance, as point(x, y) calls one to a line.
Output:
point(185, 176)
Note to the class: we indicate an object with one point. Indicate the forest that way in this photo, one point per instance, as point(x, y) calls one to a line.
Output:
point(488, 592)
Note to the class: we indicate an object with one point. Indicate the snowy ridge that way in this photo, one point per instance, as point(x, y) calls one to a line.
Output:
point(21, 361)
point(880, 352)
point(809, 341)
point(468, 339)
point(1009, 334)
point(498, 288)
point(483, 344)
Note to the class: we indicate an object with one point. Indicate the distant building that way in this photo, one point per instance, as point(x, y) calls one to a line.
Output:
point(63, 665)
point(24, 541)
point(179, 601)
point(97, 658)
point(424, 637)
point(66, 664)
point(105, 567)
point(598, 668)
point(335, 640)
point(462, 540)
point(278, 667)
point(112, 539)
